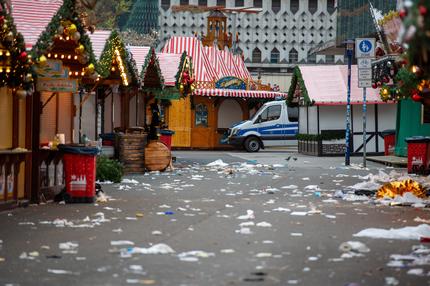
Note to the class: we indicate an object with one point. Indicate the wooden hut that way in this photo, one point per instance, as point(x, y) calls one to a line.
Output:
point(16, 82)
point(65, 65)
point(224, 93)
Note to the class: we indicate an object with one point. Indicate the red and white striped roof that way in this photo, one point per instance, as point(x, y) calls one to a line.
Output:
point(243, 70)
point(240, 93)
point(169, 65)
point(214, 55)
point(98, 41)
point(139, 54)
point(32, 16)
point(203, 70)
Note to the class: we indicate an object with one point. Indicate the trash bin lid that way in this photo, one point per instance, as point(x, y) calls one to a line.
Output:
point(166, 132)
point(76, 149)
point(418, 139)
point(388, 132)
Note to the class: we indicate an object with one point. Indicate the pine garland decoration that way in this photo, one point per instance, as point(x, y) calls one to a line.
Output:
point(151, 60)
point(20, 75)
point(106, 59)
point(66, 12)
point(298, 80)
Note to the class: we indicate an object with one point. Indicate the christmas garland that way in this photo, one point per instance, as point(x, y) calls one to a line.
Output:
point(151, 59)
point(104, 65)
point(16, 67)
point(298, 79)
point(66, 13)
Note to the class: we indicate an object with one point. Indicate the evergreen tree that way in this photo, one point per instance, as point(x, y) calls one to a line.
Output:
point(143, 17)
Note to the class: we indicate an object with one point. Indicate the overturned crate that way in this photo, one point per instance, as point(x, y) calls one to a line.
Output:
point(131, 150)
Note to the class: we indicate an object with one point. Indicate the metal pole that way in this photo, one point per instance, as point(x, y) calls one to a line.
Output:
point(348, 111)
point(364, 127)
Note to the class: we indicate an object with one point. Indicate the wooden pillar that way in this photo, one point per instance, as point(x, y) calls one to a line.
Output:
point(15, 120)
point(28, 146)
point(35, 182)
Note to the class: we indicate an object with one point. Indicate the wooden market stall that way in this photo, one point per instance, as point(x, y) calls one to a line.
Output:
point(65, 66)
point(223, 94)
point(16, 83)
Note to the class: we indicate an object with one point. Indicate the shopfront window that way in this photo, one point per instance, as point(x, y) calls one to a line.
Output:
point(201, 115)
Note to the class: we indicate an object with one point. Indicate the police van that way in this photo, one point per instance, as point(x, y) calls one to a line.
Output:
point(274, 124)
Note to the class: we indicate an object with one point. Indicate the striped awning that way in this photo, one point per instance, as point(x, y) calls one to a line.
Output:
point(203, 70)
point(240, 93)
point(98, 41)
point(32, 17)
point(243, 70)
point(169, 65)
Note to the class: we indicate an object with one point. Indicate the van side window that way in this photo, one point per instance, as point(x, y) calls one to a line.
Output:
point(293, 114)
point(270, 113)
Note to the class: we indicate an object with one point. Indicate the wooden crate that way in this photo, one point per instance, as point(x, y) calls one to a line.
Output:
point(131, 151)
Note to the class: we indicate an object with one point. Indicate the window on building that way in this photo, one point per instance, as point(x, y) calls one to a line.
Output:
point(329, 59)
point(274, 56)
point(201, 113)
point(294, 6)
point(276, 5)
point(256, 56)
point(293, 56)
point(203, 3)
point(239, 3)
point(312, 59)
point(184, 2)
point(220, 3)
point(331, 6)
point(165, 4)
point(313, 6)
point(258, 3)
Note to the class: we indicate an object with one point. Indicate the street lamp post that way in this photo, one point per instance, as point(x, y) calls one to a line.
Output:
point(349, 51)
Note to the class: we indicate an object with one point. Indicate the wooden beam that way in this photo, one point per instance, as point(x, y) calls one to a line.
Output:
point(35, 181)
point(15, 120)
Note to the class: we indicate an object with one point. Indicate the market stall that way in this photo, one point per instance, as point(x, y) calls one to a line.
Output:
point(65, 65)
point(320, 92)
point(16, 84)
point(222, 94)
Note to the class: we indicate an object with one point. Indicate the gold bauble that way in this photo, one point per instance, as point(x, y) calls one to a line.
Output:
point(80, 49)
point(192, 88)
point(181, 88)
point(9, 37)
point(72, 29)
point(76, 36)
point(42, 60)
point(91, 68)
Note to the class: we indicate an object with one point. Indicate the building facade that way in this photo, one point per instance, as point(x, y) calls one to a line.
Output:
point(272, 41)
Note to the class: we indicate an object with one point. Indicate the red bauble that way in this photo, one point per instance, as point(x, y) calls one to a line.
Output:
point(374, 85)
point(416, 97)
point(191, 81)
point(386, 79)
point(23, 56)
point(423, 10)
point(403, 13)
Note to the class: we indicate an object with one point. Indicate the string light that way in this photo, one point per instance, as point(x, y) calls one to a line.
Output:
point(121, 67)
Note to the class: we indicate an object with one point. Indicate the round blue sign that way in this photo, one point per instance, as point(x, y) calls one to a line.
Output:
point(365, 46)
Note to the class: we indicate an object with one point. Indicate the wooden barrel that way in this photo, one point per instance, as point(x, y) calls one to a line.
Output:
point(157, 156)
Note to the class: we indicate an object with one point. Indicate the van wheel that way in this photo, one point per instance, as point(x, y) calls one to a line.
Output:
point(252, 144)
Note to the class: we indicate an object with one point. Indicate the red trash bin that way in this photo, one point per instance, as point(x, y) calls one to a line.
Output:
point(418, 154)
point(389, 141)
point(166, 137)
point(80, 173)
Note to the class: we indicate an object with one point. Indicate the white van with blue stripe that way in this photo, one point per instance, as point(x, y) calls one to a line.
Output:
point(274, 124)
